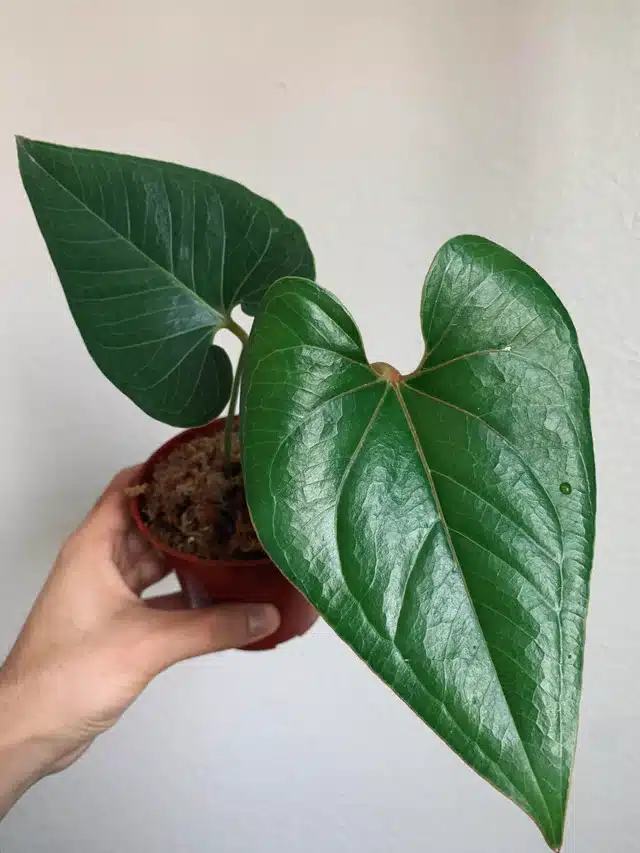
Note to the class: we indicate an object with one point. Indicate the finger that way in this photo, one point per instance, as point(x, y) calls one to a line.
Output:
point(190, 633)
point(172, 601)
point(139, 563)
point(110, 514)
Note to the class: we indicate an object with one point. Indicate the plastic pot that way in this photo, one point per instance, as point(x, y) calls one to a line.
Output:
point(208, 582)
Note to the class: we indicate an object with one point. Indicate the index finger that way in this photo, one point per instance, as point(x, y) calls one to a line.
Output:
point(110, 515)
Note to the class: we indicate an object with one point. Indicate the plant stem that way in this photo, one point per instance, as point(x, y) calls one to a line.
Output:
point(243, 337)
point(233, 402)
point(238, 331)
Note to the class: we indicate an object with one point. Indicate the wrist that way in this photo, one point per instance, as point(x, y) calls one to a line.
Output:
point(23, 749)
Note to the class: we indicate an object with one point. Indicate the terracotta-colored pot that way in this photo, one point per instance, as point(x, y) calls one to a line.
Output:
point(208, 582)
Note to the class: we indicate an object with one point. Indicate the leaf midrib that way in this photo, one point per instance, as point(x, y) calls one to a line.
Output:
point(506, 441)
point(405, 662)
point(452, 549)
point(559, 563)
point(445, 528)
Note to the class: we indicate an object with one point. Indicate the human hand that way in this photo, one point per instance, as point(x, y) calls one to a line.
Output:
point(91, 644)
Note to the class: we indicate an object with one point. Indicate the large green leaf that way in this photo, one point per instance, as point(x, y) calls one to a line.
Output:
point(442, 522)
point(153, 257)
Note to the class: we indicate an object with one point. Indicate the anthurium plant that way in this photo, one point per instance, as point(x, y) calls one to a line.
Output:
point(442, 522)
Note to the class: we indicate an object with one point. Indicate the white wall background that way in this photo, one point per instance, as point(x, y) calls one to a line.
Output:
point(384, 128)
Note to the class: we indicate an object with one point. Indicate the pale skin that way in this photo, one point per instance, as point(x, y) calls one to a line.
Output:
point(91, 644)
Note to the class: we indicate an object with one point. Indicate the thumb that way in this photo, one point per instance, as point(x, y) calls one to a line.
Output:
point(188, 633)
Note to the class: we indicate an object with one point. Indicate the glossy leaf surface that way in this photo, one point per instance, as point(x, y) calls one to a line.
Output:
point(442, 523)
point(153, 257)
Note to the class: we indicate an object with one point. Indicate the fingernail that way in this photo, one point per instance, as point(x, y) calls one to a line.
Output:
point(262, 620)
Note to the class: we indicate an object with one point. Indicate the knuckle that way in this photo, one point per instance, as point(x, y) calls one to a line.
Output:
point(70, 548)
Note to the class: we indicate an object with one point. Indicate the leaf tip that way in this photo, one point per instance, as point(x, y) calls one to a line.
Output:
point(553, 836)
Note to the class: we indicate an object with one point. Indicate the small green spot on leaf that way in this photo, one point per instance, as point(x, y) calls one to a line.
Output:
point(565, 488)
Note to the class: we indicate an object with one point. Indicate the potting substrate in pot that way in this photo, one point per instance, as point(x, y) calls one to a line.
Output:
point(191, 506)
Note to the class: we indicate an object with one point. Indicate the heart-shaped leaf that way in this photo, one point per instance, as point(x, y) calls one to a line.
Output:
point(441, 522)
point(153, 257)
